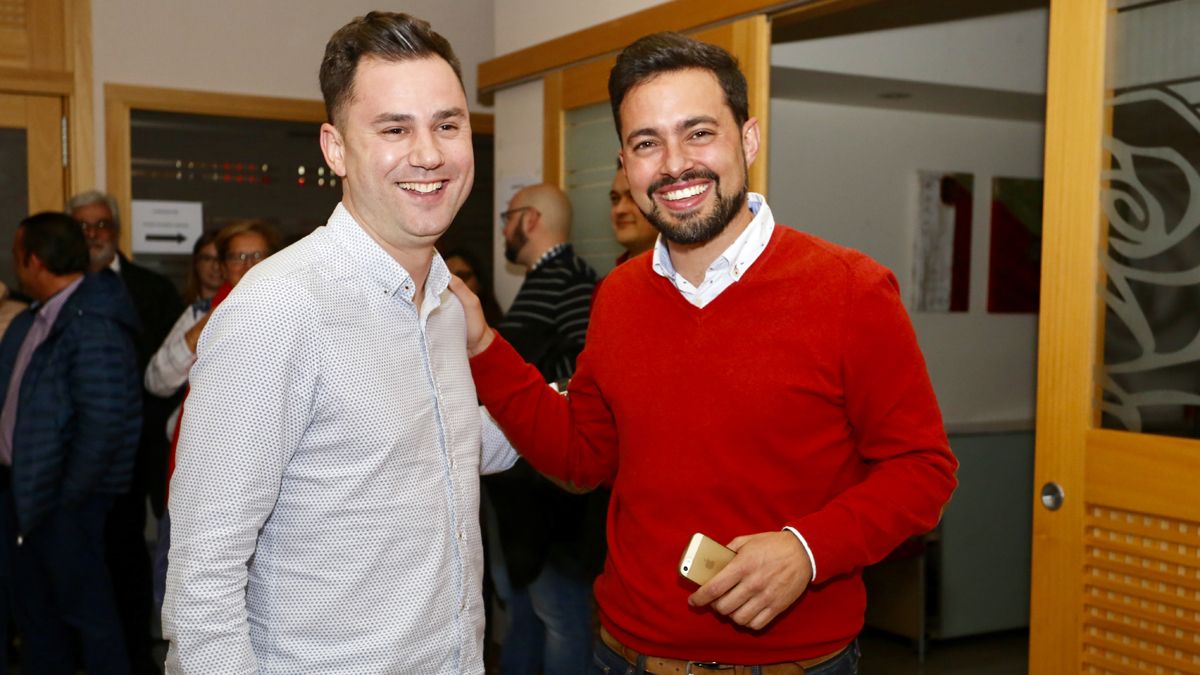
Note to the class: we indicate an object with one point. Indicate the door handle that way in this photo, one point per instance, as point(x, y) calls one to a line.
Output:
point(1052, 496)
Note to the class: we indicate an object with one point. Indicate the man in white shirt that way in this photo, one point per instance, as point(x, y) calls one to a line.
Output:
point(325, 500)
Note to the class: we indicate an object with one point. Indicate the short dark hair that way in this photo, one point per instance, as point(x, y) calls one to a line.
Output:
point(260, 226)
point(390, 36)
point(57, 240)
point(667, 52)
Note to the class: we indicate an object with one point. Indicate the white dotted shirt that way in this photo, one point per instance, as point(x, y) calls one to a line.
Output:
point(325, 501)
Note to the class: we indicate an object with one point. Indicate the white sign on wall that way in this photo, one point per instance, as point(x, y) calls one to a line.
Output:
point(166, 227)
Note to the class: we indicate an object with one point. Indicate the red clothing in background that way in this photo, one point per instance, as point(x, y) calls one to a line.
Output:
point(797, 397)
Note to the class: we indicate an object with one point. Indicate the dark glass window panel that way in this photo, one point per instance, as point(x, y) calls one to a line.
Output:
point(14, 195)
point(1151, 378)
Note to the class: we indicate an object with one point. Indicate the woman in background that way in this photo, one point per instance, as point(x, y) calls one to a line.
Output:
point(239, 246)
point(168, 368)
point(464, 265)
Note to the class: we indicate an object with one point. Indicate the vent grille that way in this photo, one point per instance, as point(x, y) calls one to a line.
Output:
point(12, 14)
point(1141, 594)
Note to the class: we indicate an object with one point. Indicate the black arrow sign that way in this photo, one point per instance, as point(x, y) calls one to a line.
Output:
point(177, 238)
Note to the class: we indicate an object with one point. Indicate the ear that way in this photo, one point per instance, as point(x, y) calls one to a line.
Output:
point(35, 263)
point(750, 140)
point(530, 220)
point(334, 149)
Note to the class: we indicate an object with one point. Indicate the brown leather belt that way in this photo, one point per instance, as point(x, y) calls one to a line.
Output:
point(659, 665)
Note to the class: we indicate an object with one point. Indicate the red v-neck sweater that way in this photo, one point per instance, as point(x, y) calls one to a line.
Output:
point(797, 397)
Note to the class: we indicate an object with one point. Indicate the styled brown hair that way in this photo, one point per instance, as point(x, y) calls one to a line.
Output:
point(667, 52)
point(390, 36)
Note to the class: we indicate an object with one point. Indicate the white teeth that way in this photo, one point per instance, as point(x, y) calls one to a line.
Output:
point(424, 188)
point(685, 192)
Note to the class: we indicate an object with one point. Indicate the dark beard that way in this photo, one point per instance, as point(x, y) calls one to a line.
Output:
point(513, 245)
point(693, 229)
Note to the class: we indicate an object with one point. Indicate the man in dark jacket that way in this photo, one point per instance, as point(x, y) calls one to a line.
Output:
point(158, 305)
point(70, 416)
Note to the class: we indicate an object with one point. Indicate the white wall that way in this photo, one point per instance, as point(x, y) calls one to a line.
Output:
point(518, 161)
point(261, 47)
point(1006, 52)
point(849, 175)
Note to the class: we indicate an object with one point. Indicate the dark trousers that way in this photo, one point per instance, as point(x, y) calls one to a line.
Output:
point(129, 560)
point(61, 591)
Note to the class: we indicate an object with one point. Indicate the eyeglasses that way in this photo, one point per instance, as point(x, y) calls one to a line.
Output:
point(506, 215)
point(244, 258)
point(100, 225)
point(207, 259)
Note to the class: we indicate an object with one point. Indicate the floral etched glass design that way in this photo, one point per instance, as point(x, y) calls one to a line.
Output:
point(1151, 201)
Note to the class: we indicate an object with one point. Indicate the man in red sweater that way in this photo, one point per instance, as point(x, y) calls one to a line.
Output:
point(746, 381)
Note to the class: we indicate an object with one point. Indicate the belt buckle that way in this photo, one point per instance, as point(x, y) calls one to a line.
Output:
point(706, 665)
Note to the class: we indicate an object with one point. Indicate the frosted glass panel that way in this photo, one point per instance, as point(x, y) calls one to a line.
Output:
point(1151, 200)
point(590, 158)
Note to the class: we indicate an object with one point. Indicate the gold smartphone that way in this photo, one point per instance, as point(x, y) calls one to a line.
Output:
point(703, 558)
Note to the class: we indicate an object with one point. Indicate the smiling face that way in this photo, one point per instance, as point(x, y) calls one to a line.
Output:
point(685, 156)
point(630, 227)
point(402, 145)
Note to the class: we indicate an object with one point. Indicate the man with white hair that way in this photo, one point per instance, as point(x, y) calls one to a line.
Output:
point(158, 303)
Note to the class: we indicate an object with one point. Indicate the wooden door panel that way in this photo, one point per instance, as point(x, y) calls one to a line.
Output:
point(46, 178)
point(1141, 599)
point(41, 119)
point(1116, 569)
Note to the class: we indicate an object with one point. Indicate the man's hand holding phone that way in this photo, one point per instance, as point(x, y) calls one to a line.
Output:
point(768, 574)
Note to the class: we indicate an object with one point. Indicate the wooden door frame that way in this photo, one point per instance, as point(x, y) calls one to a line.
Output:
point(121, 99)
point(611, 36)
point(38, 114)
point(1067, 389)
point(62, 65)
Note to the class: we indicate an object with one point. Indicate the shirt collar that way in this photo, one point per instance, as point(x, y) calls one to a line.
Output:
point(552, 252)
point(115, 263)
point(380, 267)
point(741, 254)
point(49, 310)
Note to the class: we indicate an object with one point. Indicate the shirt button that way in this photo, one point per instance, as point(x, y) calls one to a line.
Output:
point(460, 535)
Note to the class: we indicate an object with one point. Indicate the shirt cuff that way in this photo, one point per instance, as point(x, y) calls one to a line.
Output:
point(807, 550)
